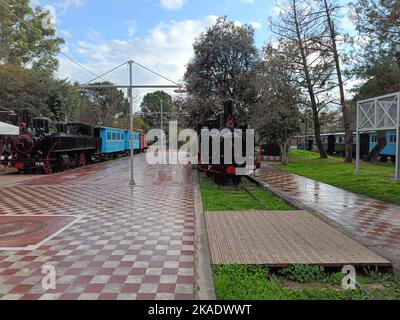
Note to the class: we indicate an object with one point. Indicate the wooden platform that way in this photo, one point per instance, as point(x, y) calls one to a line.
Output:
point(281, 238)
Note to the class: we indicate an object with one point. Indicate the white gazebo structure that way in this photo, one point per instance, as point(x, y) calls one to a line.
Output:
point(380, 114)
point(8, 130)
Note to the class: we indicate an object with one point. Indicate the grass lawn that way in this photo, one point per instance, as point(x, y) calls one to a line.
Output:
point(375, 180)
point(231, 198)
point(237, 282)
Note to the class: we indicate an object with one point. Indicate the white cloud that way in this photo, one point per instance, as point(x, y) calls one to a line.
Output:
point(167, 49)
point(64, 5)
point(276, 11)
point(131, 28)
point(172, 4)
point(65, 34)
point(256, 25)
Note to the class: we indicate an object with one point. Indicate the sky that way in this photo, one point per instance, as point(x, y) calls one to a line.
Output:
point(102, 34)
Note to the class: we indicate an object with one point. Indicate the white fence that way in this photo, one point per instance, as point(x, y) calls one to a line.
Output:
point(380, 114)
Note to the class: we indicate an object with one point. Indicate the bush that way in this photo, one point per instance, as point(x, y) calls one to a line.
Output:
point(304, 273)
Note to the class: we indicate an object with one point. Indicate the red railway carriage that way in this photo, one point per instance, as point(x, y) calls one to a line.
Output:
point(143, 142)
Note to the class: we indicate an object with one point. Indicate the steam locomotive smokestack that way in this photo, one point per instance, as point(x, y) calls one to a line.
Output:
point(228, 108)
point(26, 117)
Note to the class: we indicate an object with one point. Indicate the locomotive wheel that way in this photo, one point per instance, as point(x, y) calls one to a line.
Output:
point(82, 160)
point(47, 168)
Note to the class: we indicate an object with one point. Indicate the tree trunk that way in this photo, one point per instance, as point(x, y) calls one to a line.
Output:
point(284, 146)
point(374, 154)
point(397, 56)
point(310, 87)
point(346, 117)
point(318, 140)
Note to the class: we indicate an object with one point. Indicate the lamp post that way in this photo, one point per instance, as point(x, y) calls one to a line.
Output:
point(132, 180)
point(162, 122)
point(130, 88)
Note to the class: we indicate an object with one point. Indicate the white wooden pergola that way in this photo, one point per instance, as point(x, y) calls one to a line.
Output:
point(380, 114)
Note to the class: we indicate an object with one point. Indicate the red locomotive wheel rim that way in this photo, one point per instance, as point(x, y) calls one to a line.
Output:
point(47, 168)
point(82, 160)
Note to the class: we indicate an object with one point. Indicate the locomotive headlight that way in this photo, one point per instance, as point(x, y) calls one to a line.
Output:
point(2, 158)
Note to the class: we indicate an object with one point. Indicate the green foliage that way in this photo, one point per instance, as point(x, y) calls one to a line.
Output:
point(63, 101)
point(152, 104)
point(378, 60)
point(45, 96)
point(246, 282)
point(383, 78)
point(23, 40)
point(224, 66)
point(304, 273)
point(375, 180)
point(23, 88)
point(217, 198)
point(103, 106)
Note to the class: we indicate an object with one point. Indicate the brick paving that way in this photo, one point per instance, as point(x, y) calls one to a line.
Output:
point(375, 222)
point(126, 243)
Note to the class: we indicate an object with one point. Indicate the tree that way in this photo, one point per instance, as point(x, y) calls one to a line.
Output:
point(331, 10)
point(277, 115)
point(151, 107)
point(378, 21)
point(23, 39)
point(224, 66)
point(305, 32)
point(103, 106)
point(22, 88)
point(26, 88)
point(384, 78)
point(63, 100)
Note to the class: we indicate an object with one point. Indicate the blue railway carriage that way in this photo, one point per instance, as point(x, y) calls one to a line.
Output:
point(390, 149)
point(116, 141)
point(136, 141)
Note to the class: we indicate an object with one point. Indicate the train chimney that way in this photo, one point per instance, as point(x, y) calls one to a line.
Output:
point(26, 118)
point(41, 124)
point(228, 108)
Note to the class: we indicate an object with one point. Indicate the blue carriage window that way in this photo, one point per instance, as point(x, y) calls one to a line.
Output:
point(374, 139)
point(393, 138)
point(114, 136)
point(109, 136)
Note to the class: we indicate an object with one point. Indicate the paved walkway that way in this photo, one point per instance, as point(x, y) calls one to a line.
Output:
point(375, 223)
point(105, 240)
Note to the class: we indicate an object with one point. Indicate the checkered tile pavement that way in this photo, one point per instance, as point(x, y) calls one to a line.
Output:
point(375, 221)
point(130, 243)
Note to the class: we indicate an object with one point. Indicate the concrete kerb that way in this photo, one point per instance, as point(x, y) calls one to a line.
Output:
point(204, 289)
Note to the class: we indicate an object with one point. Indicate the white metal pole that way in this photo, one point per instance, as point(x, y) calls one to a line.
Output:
point(358, 153)
point(358, 141)
point(397, 177)
point(162, 124)
point(132, 181)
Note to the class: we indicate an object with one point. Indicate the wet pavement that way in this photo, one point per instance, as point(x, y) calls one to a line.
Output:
point(375, 223)
point(106, 240)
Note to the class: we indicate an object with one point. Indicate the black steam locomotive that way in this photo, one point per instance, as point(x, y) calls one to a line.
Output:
point(227, 170)
point(36, 149)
